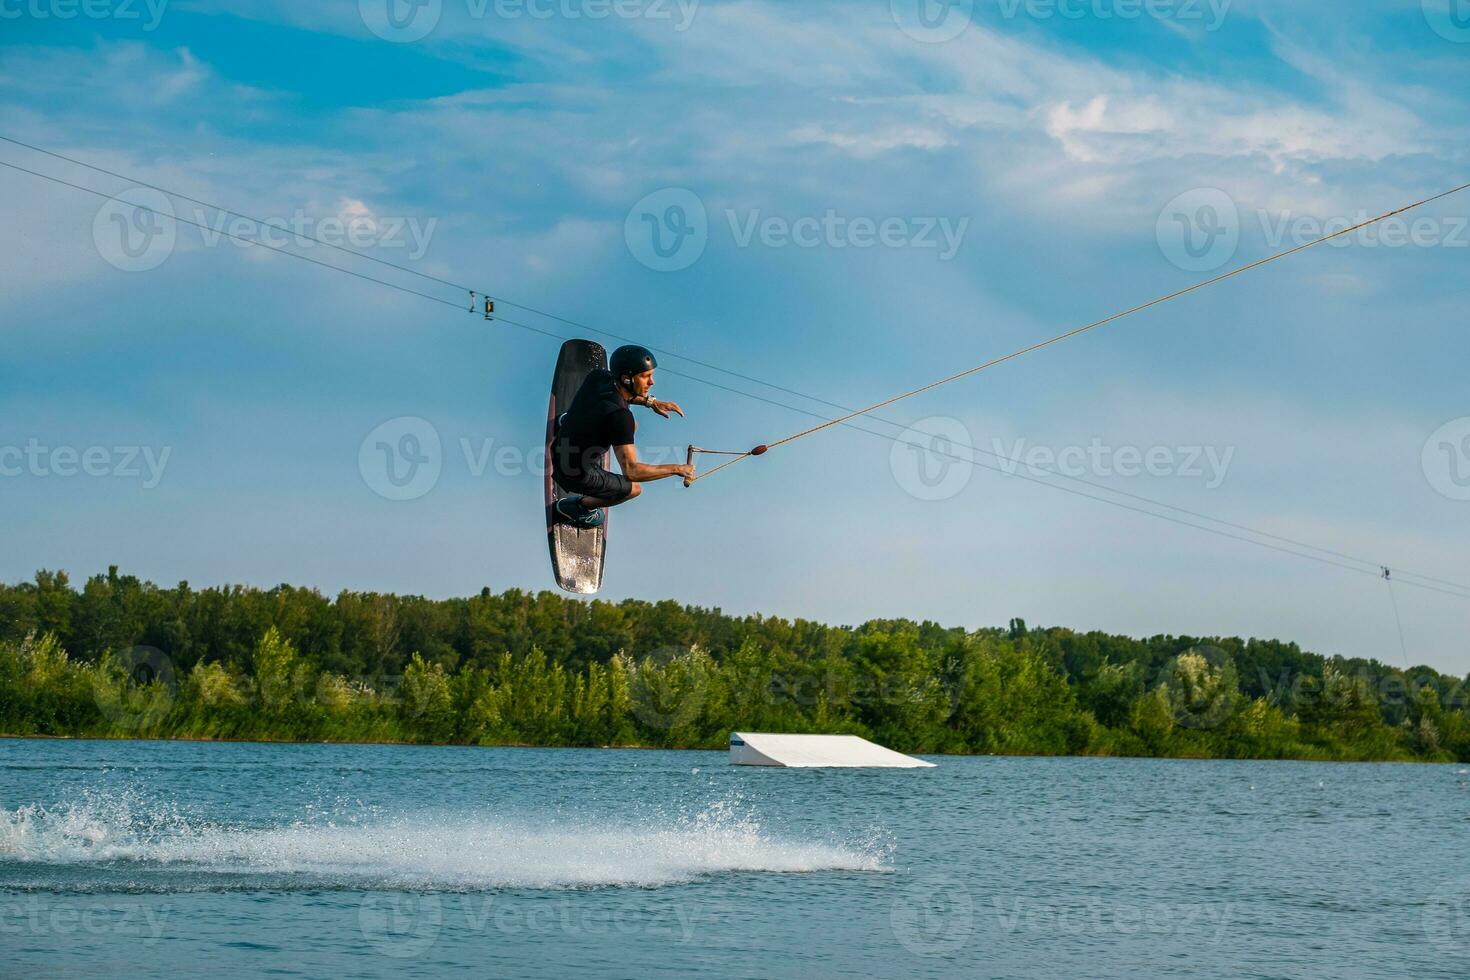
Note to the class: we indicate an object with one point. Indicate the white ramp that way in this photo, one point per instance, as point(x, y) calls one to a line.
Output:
point(816, 752)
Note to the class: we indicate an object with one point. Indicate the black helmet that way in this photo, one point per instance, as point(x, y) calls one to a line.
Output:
point(631, 360)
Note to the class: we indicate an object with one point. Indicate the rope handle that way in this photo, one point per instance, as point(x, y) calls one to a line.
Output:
point(689, 461)
point(757, 451)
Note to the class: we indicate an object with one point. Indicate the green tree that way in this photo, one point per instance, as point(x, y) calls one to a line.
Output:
point(1153, 719)
point(428, 705)
point(281, 677)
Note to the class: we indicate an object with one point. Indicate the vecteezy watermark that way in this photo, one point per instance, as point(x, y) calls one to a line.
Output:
point(1201, 687)
point(400, 925)
point(1394, 694)
point(40, 461)
point(406, 21)
point(138, 230)
point(667, 689)
point(1446, 918)
point(1450, 19)
point(1210, 464)
point(933, 916)
point(137, 689)
point(936, 917)
point(402, 458)
point(356, 228)
point(679, 13)
point(44, 915)
point(1210, 14)
point(809, 689)
point(1446, 459)
point(149, 12)
point(668, 230)
point(926, 462)
point(1094, 917)
point(1200, 230)
point(485, 456)
point(1285, 229)
point(135, 231)
point(401, 21)
point(932, 21)
point(835, 231)
point(934, 460)
point(403, 925)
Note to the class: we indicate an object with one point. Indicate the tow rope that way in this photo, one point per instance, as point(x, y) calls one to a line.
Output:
point(763, 449)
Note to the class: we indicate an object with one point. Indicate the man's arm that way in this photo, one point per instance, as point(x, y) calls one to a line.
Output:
point(660, 408)
point(647, 472)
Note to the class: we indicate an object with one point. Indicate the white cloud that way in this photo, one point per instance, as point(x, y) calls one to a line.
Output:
point(757, 106)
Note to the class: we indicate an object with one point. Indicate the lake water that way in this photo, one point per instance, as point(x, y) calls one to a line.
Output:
point(151, 859)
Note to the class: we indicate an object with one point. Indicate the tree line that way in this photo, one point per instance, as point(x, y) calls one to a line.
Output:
point(120, 657)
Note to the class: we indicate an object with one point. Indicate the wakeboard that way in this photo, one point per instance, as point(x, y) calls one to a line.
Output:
point(577, 554)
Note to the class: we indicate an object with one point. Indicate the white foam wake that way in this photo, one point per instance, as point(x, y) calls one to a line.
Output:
point(421, 851)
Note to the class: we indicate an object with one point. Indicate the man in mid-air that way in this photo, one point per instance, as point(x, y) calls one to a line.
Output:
point(599, 420)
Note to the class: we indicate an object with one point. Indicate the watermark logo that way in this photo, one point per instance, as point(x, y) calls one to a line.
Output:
point(1450, 19)
point(1446, 917)
point(81, 921)
point(405, 926)
point(401, 21)
point(1446, 459)
point(355, 227)
point(680, 13)
point(1199, 231)
point(933, 21)
point(1209, 464)
point(1202, 687)
point(835, 231)
point(43, 462)
point(923, 459)
point(1210, 13)
point(1335, 688)
point(138, 688)
point(1362, 231)
point(401, 459)
point(136, 231)
point(400, 925)
point(404, 458)
point(933, 917)
point(668, 230)
point(484, 457)
point(66, 10)
point(1205, 923)
point(668, 689)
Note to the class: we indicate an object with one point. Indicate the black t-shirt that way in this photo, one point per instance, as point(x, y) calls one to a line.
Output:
point(599, 419)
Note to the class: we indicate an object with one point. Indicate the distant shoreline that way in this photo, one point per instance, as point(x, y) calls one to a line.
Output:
point(121, 657)
point(721, 751)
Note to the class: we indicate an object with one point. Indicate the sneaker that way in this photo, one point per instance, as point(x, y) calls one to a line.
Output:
point(570, 509)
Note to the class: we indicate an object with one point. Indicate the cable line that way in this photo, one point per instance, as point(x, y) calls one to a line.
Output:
point(684, 357)
point(763, 449)
point(846, 419)
point(498, 297)
point(1398, 621)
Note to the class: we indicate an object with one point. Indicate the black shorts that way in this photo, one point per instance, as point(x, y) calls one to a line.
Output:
point(578, 472)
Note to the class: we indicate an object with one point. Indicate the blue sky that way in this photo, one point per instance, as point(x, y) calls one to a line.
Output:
point(1061, 146)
